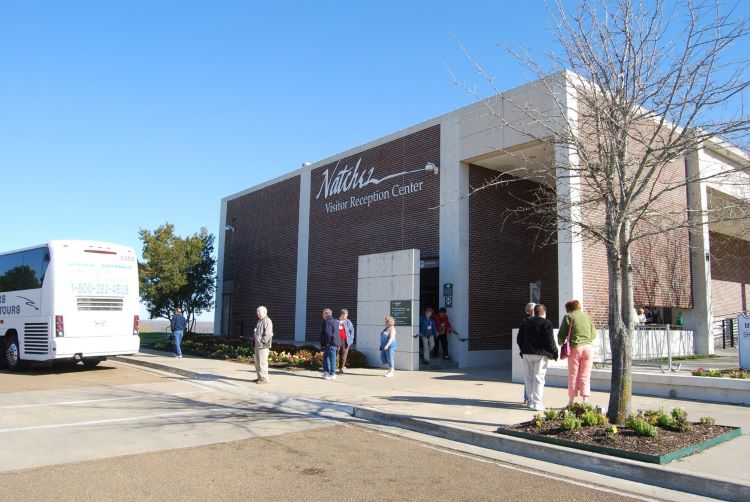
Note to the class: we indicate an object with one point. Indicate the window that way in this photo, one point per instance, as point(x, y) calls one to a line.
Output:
point(23, 270)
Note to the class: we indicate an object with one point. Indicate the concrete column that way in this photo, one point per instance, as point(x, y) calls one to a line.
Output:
point(700, 318)
point(219, 328)
point(454, 237)
point(303, 239)
point(569, 246)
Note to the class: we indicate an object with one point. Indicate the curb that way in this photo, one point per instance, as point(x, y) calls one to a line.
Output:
point(707, 486)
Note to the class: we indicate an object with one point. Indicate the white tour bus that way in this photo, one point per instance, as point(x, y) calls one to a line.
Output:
point(75, 300)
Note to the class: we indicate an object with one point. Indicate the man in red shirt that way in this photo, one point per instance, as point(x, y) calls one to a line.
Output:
point(443, 329)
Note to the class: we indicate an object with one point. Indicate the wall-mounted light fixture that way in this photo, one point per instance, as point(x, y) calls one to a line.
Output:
point(229, 228)
point(431, 168)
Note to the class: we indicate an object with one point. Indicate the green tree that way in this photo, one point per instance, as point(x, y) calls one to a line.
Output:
point(177, 272)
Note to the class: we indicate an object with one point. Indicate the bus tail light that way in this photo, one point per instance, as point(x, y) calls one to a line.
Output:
point(59, 331)
point(136, 324)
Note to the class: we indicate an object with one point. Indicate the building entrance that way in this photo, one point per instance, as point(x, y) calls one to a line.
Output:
point(429, 279)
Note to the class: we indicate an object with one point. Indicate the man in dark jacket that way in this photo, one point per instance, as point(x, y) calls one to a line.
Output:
point(178, 324)
point(329, 342)
point(537, 344)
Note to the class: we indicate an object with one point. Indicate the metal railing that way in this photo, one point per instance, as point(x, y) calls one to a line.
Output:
point(652, 342)
point(726, 328)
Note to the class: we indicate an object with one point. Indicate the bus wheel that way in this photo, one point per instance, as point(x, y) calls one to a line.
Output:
point(91, 363)
point(12, 354)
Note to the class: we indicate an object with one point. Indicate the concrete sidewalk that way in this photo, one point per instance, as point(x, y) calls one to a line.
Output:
point(468, 405)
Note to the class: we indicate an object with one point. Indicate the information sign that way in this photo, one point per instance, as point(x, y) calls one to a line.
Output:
point(401, 312)
point(448, 289)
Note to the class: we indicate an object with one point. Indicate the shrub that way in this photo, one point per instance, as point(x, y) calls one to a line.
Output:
point(707, 421)
point(611, 431)
point(681, 423)
point(679, 414)
point(537, 421)
point(707, 372)
point(602, 419)
point(579, 409)
point(317, 361)
point(589, 418)
point(663, 420)
point(550, 414)
point(570, 422)
point(356, 359)
point(640, 426)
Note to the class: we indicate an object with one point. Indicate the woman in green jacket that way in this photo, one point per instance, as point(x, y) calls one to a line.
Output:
point(581, 358)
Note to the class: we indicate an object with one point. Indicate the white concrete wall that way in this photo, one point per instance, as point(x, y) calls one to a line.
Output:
point(384, 277)
point(454, 238)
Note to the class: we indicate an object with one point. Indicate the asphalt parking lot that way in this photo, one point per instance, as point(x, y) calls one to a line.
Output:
point(66, 375)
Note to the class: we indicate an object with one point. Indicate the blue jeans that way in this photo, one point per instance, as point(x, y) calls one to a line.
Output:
point(177, 341)
point(388, 356)
point(329, 359)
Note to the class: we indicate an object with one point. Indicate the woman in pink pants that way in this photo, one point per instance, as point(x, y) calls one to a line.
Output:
point(581, 359)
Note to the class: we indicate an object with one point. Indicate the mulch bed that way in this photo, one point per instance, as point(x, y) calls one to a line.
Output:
point(666, 441)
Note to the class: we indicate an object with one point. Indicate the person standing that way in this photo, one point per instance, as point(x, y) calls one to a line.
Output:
point(329, 342)
point(177, 325)
point(443, 325)
point(388, 346)
point(537, 344)
point(582, 334)
point(262, 340)
point(529, 313)
point(641, 315)
point(427, 331)
point(346, 334)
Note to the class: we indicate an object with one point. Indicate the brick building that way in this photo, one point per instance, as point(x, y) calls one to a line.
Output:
point(295, 244)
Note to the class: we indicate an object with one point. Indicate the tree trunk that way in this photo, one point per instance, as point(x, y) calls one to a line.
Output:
point(620, 326)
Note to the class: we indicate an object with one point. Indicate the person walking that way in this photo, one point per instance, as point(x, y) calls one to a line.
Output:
point(388, 346)
point(329, 342)
point(262, 336)
point(443, 325)
point(427, 332)
point(582, 332)
point(537, 344)
point(177, 324)
point(346, 334)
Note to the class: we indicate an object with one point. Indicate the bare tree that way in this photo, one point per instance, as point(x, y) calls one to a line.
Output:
point(636, 87)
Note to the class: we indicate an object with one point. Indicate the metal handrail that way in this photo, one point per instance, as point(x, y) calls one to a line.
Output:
point(728, 326)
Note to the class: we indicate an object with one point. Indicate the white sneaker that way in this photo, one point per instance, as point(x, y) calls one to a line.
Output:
point(538, 407)
point(389, 374)
point(333, 376)
point(326, 377)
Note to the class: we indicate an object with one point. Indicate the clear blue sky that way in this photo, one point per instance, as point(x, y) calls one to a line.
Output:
point(122, 115)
